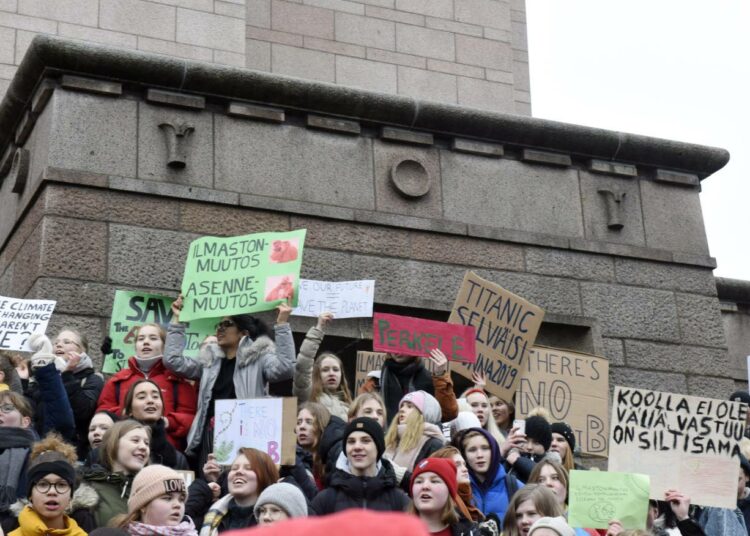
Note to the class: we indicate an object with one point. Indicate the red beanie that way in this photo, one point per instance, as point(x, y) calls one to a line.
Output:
point(442, 467)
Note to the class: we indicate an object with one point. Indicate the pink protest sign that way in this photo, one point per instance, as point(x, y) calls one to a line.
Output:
point(417, 336)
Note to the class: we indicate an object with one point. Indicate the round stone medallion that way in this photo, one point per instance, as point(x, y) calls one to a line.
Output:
point(410, 178)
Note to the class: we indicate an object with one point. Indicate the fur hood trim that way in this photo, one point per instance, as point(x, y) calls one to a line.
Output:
point(84, 497)
point(248, 351)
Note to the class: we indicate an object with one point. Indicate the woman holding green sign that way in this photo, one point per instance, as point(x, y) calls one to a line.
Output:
point(242, 361)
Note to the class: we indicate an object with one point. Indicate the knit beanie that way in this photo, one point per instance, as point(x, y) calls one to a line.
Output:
point(538, 429)
point(286, 496)
point(558, 524)
point(369, 426)
point(427, 405)
point(50, 461)
point(464, 421)
point(566, 431)
point(442, 467)
point(740, 396)
point(151, 482)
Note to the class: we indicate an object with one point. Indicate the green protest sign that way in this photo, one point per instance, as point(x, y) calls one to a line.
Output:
point(241, 274)
point(133, 309)
point(597, 497)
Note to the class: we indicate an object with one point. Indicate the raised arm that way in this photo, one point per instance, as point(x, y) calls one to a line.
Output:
point(306, 358)
point(280, 366)
point(174, 347)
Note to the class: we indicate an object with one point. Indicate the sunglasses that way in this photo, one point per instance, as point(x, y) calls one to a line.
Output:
point(224, 324)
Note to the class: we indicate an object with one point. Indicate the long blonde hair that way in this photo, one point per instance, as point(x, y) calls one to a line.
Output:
point(491, 425)
point(343, 392)
point(413, 430)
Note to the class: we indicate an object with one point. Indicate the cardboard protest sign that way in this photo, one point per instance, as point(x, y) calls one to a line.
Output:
point(597, 497)
point(19, 319)
point(574, 387)
point(132, 309)
point(687, 443)
point(416, 336)
point(506, 328)
point(241, 274)
point(366, 362)
point(345, 299)
point(266, 424)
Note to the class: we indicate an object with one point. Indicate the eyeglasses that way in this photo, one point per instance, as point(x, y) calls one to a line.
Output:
point(224, 324)
point(60, 486)
point(7, 408)
point(65, 342)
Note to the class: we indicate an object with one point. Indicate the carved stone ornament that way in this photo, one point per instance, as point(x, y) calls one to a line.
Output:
point(19, 170)
point(176, 137)
point(614, 203)
point(410, 178)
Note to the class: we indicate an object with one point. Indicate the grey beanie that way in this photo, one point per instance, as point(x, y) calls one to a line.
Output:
point(286, 496)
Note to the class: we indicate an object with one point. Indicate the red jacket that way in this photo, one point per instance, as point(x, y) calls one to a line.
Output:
point(179, 413)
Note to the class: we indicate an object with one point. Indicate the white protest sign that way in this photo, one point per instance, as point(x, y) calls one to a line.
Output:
point(266, 424)
point(345, 299)
point(19, 319)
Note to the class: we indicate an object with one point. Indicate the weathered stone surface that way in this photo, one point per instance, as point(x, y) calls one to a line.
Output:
point(333, 124)
point(504, 193)
point(675, 357)
point(712, 387)
point(91, 85)
point(365, 31)
point(265, 113)
point(217, 220)
point(345, 236)
point(545, 157)
point(427, 85)
point(552, 294)
point(296, 207)
point(76, 297)
point(632, 312)
point(173, 98)
point(484, 13)
point(26, 226)
point(614, 352)
point(65, 252)
point(435, 247)
point(612, 168)
point(301, 19)
point(138, 17)
point(24, 129)
point(152, 147)
point(303, 63)
point(406, 136)
point(366, 74)
point(168, 189)
point(409, 222)
point(42, 96)
point(26, 262)
point(596, 216)
point(484, 53)
point(569, 264)
point(477, 147)
point(673, 177)
point(80, 11)
point(210, 30)
point(247, 154)
point(484, 95)
point(327, 265)
point(160, 266)
point(647, 379)
point(666, 276)
point(434, 8)
point(700, 320)
point(425, 42)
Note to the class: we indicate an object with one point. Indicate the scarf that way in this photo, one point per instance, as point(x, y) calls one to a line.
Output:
point(146, 364)
point(14, 450)
point(30, 524)
point(84, 363)
point(466, 503)
point(185, 528)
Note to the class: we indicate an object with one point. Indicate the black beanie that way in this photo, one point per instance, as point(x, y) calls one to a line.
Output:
point(369, 426)
point(566, 431)
point(538, 429)
point(740, 396)
point(52, 462)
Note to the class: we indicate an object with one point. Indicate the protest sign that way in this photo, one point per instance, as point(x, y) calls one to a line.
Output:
point(266, 424)
point(345, 299)
point(416, 336)
point(687, 443)
point(366, 362)
point(132, 309)
point(19, 319)
point(241, 274)
point(748, 372)
point(574, 387)
point(597, 497)
point(506, 328)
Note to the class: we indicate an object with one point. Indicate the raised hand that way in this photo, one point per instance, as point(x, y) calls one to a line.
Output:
point(324, 319)
point(285, 310)
point(440, 361)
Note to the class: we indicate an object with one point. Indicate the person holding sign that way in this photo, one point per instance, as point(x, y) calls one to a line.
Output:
point(240, 365)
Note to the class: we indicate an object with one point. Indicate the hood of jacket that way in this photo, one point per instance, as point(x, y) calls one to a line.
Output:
point(496, 468)
point(248, 351)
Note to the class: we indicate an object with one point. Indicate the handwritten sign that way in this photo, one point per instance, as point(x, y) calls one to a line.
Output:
point(597, 497)
point(682, 442)
point(366, 362)
point(19, 319)
point(133, 309)
point(345, 299)
point(574, 387)
point(506, 328)
point(417, 336)
point(266, 424)
point(241, 274)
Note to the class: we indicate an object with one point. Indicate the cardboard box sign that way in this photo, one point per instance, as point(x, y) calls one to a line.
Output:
point(686, 443)
point(417, 336)
point(368, 361)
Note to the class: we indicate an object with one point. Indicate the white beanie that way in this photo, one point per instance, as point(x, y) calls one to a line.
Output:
point(427, 405)
point(558, 524)
point(464, 421)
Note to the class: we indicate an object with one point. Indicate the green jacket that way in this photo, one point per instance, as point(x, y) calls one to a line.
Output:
point(113, 490)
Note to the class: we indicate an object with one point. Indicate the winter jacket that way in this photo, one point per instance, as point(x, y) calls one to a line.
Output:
point(722, 522)
point(179, 396)
point(432, 440)
point(30, 524)
point(113, 492)
point(258, 362)
point(445, 396)
point(15, 445)
point(52, 410)
point(744, 506)
point(303, 369)
point(397, 379)
point(345, 491)
point(465, 527)
point(163, 452)
point(80, 510)
point(225, 515)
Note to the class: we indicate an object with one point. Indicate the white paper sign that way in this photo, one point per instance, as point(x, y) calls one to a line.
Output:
point(19, 319)
point(251, 423)
point(345, 299)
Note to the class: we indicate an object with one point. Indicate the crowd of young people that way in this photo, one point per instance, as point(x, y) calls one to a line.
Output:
point(82, 455)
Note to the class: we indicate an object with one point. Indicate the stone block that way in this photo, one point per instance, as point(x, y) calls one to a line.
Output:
point(344, 49)
point(612, 168)
point(553, 294)
point(31, 24)
point(92, 133)
point(521, 75)
point(427, 85)
point(498, 35)
point(394, 15)
point(66, 254)
point(630, 312)
point(452, 26)
point(332, 124)
point(392, 164)
point(258, 13)
point(257, 55)
point(275, 160)
point(23, 130)
point(490, 13)
point(210, 30)
point(546, 157)
point(339, 5)
point(700, 320)
point(301, 19)
point(6, 281)
point(672, 218)
point(153, 155)
point(94, 327)
point(91, 85)
point(251, 111)
point(217, 220)
point(170, 189)
point(597, 215)
point(370, 75)
point(261, 34)
point(7, 45)
point(230, 10)
point(484, 53)
point(512, 195)
point(484, 95)
point(324, 265)
point(396, 58)
point(565, 263)
point(613, 351)
point(176, 99)
point(76, 297)
point(481, 148)
point(224, 57)
point(26, 263)
point(83, 12)
point(200, 5)
point(665, 276)
point(170, 48)
point(303, 63)
point(674, 177)
point(381, 3)
point(296, 207)
point(23, 41)
point(138, 17)
point(434, 8)
point(365, 31)
point(131, 262)
point(712, 387)
point(425, 42)
point(647, 379)
point(96, 35)
point(458, 69)
point(675, 358)
point(410, 222)
point(467, 251)
point(406, 136)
